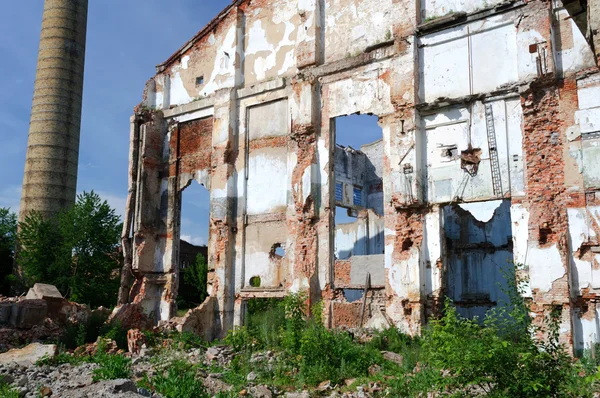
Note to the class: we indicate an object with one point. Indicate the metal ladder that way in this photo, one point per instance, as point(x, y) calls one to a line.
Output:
point(494, 162)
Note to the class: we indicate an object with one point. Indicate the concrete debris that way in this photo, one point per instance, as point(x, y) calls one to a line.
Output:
point(135, 340)
point(43, 291)
point(28, 355)
point(131, 316)
point(393, 357)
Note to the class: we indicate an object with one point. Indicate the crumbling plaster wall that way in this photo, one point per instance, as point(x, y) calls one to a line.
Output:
point(274, 75)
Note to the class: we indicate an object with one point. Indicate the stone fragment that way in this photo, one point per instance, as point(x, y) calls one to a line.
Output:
point(131, 316)
point(42, 291)
point(123, 385)
point(378, 321)
point(324, 386)
point(251, 376)
point(45, 391)
point(28, 355)
point(393, 357)
point(260, 392)
point(135, 340)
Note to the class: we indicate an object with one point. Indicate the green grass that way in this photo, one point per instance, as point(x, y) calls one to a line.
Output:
point(112, 367)
point(7, 392)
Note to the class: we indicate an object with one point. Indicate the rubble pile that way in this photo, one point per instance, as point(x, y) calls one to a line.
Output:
point(32, 380)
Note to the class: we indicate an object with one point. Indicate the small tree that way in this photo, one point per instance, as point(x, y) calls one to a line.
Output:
point(8, 233)
point(192, 288)
point(77, 251)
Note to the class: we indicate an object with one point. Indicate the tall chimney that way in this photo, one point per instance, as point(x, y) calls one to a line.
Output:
point(50, 180)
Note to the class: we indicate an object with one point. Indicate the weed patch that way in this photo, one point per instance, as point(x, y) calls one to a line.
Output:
point(177, 381)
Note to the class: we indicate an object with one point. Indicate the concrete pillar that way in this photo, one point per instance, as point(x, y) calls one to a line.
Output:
point(50, 177)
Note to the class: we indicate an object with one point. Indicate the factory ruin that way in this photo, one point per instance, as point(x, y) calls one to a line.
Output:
point(488, 156)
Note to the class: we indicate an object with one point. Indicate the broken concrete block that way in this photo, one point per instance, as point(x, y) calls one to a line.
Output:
point(43, 291)
point(5, 309)
point(28, 355)
point(135, 340)
point(378, 321)
point(52, 297)
point(26, 314)
point(200, 320)
point(131, 316)
point(393, 357)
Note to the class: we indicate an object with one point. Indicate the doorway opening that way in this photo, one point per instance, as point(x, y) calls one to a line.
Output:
point(193, 247)
point(358, 178)
point(358, 186)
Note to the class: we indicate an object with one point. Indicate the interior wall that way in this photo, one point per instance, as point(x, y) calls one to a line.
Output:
point(479, 255)
point(267, 187)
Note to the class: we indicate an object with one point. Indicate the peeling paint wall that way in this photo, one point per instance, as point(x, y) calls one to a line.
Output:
point(489, 153)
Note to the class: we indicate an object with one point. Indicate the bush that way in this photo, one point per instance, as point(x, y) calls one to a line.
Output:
point(500, 357)
point(77, 251)
point(177, 381)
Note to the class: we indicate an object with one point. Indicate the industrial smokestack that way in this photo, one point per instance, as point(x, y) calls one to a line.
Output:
point(50, 180)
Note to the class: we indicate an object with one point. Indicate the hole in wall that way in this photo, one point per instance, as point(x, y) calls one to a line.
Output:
point(545, 234)
point(277, 251)
point(255, 281)
point(352, 295)
point(199, 80)
point(407, 244)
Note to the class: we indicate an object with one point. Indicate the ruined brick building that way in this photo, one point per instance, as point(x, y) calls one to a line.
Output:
point(489, 155)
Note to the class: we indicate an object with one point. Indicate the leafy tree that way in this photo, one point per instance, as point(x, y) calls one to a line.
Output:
point(192, 290)
point(8, 232)
point(77, 251)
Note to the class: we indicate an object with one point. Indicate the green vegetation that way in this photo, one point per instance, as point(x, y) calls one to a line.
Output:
point(7, 392)
point(177, 381)
point(77, 251)
point(288, 348)
point(115, 366)
point(8, 234)
point(111, 366)
point(192, 291)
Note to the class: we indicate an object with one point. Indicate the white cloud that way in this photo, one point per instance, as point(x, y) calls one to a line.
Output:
point(115, 201)
point(194, 240)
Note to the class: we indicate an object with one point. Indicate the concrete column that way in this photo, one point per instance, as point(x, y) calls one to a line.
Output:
point(50, 177)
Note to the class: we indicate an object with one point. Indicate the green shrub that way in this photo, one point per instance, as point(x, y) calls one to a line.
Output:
point(187, 340)
point(501, 357)
point(177, 381)
point(239, 338)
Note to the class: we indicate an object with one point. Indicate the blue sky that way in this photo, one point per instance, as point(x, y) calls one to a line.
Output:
point(125, 40)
